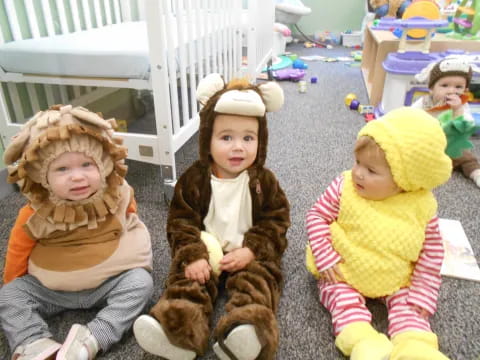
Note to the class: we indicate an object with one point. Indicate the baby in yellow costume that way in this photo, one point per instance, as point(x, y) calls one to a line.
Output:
point(374, 234)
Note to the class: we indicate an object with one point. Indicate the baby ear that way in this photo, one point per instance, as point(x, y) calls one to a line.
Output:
point(272, 95)
point(208, 86)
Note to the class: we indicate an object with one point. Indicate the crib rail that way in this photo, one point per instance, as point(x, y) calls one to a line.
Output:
point(188, 39)
point(41, 18)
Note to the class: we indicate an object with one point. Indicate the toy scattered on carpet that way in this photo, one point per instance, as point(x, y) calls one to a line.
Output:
point(366, 110)
point(288, 74)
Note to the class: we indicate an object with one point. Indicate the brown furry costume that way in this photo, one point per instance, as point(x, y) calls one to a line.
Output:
point(254, 292)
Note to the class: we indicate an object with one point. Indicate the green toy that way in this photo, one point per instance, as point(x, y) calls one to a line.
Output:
point(458, 132)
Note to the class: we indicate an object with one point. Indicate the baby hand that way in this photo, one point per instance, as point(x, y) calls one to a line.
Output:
point(333, 274)
point(237, 259)
point(454, 101)
point(422, 312)
point(199, 271)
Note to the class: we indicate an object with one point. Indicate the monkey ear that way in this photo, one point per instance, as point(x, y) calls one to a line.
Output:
point(272, 95)
point(208, 86)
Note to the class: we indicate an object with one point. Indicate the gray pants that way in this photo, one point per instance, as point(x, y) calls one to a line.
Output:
point(25, 302)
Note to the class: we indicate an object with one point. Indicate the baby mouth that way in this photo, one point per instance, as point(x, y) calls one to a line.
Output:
point(236, 160)
point(79, 189)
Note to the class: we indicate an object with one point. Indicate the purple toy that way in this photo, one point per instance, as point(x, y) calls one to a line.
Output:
point(354, 104)
point(288, 74)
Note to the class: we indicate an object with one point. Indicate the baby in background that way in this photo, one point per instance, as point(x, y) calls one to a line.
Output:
point(78, 243)
point(374, 234)
point(448, 81)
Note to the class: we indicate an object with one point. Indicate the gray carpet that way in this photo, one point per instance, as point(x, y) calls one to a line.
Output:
point(311, 141)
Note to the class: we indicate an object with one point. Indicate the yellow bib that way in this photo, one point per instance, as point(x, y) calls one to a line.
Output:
point(380, 241)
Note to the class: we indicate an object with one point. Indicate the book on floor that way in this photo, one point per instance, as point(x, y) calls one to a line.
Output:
point(459, 260)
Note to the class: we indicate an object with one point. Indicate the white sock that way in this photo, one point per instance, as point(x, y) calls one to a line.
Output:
point(475, 176)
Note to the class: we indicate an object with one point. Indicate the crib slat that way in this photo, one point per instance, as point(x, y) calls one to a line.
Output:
point(199, 43)
point(208, 47)
point(49, 94)
point(62, 16)
point(141, 9)
point(15, 99)
point(12, 17)
point(126, 10)
point(108, 12)
point(33, 98)
point(87, 14)
point(170, 34)
point(224, 34)
point(75, 15)
point(98, 13)
point(191, 55)
point(63, 94)
point(180, 15)
point(32, 19)
point(116, 11)
point(47, 13)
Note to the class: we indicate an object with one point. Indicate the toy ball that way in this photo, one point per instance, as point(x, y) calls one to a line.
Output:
point(313, 79)
point(354, 104)
point(349, 98)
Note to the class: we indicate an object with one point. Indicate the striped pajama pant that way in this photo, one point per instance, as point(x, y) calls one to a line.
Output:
point(347, 305)
point(25, 302)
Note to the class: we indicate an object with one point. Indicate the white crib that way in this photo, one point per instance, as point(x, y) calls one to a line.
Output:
point(185, 40)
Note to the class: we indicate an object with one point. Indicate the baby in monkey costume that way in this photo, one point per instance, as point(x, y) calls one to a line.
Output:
point(227, 224)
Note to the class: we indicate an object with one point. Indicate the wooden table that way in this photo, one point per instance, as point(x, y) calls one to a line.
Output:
point(378, 43)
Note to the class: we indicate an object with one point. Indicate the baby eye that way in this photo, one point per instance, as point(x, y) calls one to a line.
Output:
point(248, 138)
point(371, 171)
point(87, 164)
point(61, 168)
point(226, 137)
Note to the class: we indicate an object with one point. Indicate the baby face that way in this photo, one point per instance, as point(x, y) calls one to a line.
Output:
point(447, 88)
point(371, 175)
point(73, 176)
point(234, 144)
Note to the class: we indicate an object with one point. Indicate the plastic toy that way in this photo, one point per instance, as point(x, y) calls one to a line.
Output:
point(302, 86)
point(424, 9)
point(299, 64)
point(288, 74)
point(466, 22)
point(348, 99)
point(313, 80)
point(353, 104)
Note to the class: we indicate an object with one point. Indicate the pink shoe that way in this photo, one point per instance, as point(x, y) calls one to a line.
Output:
point(41, 349)
point(79, 336)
